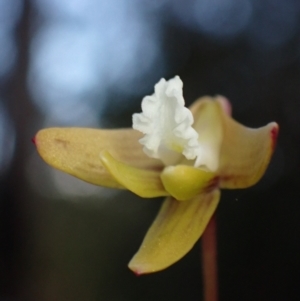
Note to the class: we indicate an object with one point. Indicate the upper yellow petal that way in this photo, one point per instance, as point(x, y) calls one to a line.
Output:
point(184, 182)
point(143, 182)
point(244, 153)
point(174, 232)
point(77, 151)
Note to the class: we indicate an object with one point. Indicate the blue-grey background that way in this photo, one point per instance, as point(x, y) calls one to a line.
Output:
point(89, 63)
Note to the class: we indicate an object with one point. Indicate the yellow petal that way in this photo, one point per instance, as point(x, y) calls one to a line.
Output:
point(245, 153)
point(77, 151)
point(145, 183)
point(175, 230)
point(184, 182)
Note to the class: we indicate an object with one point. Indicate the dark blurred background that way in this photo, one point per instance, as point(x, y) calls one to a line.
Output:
point(89, 63)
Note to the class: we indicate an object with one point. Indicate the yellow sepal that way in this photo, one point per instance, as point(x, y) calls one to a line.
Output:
point(245, 153)
point(76, 151)
point(174, 232)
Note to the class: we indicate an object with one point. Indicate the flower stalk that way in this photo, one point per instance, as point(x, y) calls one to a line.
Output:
point(210, 261)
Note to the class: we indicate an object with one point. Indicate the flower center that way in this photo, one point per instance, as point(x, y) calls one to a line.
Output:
point(167, 124)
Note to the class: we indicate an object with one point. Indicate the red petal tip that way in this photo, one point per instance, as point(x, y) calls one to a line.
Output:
point(274, 135)
point(226, 105)
point(33, 140)
point(138, 273)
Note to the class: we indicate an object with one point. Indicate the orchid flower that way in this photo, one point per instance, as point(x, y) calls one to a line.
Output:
point(186, 155)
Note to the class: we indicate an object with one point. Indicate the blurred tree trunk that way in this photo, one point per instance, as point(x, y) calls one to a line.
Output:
point(16, 209)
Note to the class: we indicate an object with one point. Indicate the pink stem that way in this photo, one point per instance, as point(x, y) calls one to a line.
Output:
point(209, 261)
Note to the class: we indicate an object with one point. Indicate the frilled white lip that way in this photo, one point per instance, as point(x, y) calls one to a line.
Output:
point(167, 124)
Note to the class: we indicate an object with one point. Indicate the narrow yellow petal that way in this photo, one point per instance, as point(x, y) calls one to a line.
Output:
point(208, 123)
point(145, 183)
point(174, 232)
point(77, 151)
point(245, 153)
point(184, 182)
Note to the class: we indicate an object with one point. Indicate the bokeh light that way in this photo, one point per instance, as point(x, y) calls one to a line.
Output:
point(222, 19)
point(96, 48)
point(10, 11)
point(274, 23)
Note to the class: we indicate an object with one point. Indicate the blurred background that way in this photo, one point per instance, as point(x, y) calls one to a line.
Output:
point(89, 63)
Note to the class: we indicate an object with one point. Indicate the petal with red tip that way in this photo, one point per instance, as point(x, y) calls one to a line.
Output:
point(174, 232)
point(245, 153)
point(77, 151)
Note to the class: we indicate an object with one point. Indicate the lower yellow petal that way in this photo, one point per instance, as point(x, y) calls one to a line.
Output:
point(174, 232)
point(145, 183)
point(76, 151)
point(184, 182)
